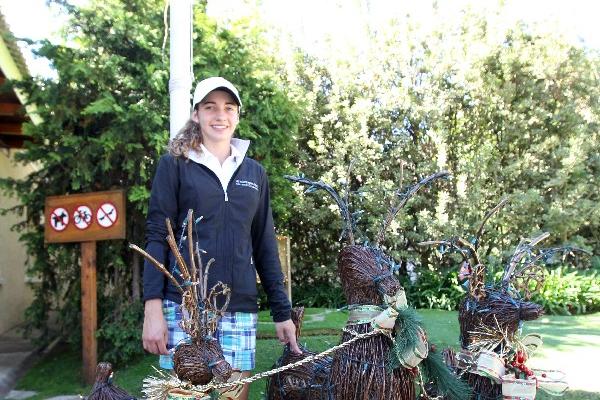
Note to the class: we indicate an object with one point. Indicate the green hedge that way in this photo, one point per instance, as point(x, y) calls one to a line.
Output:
point(565, 291)
point(568, 292)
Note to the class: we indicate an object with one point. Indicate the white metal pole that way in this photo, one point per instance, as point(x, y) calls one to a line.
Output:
point(180, 82)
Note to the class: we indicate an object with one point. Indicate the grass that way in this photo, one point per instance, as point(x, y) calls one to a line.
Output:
point(572, 344)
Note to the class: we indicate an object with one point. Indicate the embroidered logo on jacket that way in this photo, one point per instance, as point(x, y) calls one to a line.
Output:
point(248, 184)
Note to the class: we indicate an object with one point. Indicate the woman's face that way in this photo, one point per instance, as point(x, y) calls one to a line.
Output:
point(218, 116)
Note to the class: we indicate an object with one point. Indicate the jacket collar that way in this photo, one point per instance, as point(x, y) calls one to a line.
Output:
point(239, 147)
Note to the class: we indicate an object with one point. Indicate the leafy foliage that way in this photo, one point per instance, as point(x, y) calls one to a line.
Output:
point(508, 112)
point(105, 126)
point(434, 289)
point(568, 292)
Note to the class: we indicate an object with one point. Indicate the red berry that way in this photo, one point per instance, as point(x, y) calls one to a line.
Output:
point(543, 375)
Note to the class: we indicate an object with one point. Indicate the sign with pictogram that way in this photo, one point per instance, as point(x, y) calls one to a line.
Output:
point(85, 216)
point(59, 219)
point(82, 217)
point(95, 216)
point(107, 215)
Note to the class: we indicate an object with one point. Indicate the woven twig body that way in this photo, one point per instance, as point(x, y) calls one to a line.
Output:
point(359, 371)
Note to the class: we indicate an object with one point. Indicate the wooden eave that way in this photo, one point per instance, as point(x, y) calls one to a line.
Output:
point(12, 112)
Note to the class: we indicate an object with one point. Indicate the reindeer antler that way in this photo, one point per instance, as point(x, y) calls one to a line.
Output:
point(158, 265)
point(524, 248)
point(523, 268)
point(489, 214)
point(401, 200)
point(342, 205)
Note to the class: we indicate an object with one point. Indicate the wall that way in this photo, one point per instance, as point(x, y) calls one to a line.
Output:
point(15, 292)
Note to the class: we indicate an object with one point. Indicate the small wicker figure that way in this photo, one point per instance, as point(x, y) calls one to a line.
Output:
point(200, 360)
point(104, 388)
point(308, 381)
point(490, 315)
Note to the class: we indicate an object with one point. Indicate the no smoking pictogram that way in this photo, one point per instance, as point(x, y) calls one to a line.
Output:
point(106, 215)
point(59, 219)
point(82, 217)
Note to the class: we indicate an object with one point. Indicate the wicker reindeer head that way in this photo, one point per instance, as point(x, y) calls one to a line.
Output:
point(104, 388)
point(202, 358)
point(366, 272)
point(366, 275)
point(490, 314)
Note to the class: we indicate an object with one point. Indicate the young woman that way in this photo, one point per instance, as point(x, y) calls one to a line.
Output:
point(206, 170)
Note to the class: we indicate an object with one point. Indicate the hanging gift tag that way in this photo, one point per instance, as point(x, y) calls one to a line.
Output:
point(518, 389)
point(413, 357)
point(552, 382)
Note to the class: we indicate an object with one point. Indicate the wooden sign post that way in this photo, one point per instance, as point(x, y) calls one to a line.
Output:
point(283, 245)
point(86, 218)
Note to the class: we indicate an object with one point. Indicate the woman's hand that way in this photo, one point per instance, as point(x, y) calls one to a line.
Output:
point(154, 334)
point(286, 332)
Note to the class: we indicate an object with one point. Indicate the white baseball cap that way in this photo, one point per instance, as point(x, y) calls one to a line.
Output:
point(204, 87)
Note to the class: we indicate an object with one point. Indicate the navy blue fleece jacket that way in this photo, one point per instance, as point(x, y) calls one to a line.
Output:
point(236, 230)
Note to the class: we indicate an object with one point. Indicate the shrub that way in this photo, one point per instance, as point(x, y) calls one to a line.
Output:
point(434, 289)
point(570, 292)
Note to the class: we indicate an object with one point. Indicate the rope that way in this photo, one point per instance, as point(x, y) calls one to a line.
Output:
point(297, 363)
point(211, 386)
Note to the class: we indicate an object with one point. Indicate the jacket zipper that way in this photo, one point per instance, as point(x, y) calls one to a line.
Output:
point(229, 241)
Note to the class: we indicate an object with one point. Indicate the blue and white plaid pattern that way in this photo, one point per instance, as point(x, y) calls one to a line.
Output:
point(236, 332)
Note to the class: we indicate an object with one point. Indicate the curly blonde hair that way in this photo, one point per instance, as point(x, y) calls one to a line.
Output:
point(188, 138)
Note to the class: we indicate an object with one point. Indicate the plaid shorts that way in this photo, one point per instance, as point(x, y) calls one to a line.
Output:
point(236, 333)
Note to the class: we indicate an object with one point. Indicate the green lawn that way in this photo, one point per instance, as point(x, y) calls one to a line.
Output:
point(572, 344)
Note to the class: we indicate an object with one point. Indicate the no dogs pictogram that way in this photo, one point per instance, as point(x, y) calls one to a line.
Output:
point(59, 219)
point(82, 217)
point(106, 215)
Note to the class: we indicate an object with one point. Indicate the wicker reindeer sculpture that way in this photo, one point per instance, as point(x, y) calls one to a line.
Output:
point(200, 359)
point(383, 363)
point(306, 381)
point(104, 387)
point(490, 316)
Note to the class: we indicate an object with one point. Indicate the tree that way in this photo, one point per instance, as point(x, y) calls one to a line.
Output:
point(105, 125)
point(515, 116)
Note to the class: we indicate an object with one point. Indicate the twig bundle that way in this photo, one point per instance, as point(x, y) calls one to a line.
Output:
point(201, 359)
point(104, 388)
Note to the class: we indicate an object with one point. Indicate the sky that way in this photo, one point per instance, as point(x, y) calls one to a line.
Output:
point(313, 24)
